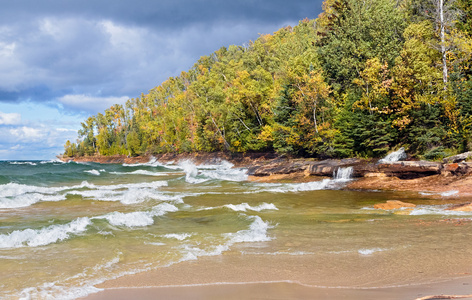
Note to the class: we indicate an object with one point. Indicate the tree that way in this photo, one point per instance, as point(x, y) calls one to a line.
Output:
point(354, 31)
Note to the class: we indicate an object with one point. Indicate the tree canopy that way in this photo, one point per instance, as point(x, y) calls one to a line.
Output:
point(365, 77)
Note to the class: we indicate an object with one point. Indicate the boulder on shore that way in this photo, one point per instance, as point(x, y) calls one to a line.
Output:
point(393, 204)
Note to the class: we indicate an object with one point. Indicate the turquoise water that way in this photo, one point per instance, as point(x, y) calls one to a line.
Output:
point(66, 227)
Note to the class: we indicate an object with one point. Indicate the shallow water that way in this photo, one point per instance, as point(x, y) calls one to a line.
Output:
point(65, 227)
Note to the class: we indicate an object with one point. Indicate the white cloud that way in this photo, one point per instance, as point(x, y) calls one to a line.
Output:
point(10, 119)
point(25, 133)
point(90, 103)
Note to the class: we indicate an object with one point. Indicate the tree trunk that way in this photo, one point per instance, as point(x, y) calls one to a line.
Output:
point(443, 40)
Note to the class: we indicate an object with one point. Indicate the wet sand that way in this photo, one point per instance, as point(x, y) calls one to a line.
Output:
point(283, 290)
point(232, 276)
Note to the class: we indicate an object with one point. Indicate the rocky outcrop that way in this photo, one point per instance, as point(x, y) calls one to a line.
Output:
point(269, 164)
point(330, 166)
point(410, 169)
point(457, 169)
point(458, 158)
point(394, 204)
point(281, 166)
point(360, 168)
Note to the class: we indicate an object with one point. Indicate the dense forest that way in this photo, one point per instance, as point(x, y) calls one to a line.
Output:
point(364, 78)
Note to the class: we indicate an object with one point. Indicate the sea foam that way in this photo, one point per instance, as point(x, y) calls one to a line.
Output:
point(138, 218)
point(257, 232)
point(14, 195)
point(45, 236)
point(245, 207)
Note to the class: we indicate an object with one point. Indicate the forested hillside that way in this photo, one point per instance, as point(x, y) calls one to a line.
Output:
point(365, 77)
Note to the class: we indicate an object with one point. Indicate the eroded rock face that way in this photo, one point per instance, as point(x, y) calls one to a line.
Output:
point(410, 169)
point(278, 167)
point(329, 166)
point(365, 168)
point(394, 204)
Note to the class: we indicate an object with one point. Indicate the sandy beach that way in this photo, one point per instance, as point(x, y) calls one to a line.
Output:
point(233, 276)
point(283, 290)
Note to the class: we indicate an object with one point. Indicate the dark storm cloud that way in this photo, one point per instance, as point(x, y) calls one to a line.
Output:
point(170, 13)
point(91, 50)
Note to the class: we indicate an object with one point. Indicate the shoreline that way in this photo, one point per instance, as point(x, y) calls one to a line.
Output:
point(457, 187)
point(454, 289)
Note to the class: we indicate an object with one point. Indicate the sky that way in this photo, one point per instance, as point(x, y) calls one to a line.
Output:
point(64, 60)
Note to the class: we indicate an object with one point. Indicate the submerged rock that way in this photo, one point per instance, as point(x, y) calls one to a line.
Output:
point(393, 204)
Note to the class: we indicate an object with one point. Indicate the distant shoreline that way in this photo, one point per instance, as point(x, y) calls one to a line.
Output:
point(455, 186)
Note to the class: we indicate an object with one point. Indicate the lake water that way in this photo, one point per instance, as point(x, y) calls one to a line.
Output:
point(66, 227)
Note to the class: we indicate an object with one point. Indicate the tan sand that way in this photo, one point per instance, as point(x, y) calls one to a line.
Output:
point(286, 290)
point(233, 276)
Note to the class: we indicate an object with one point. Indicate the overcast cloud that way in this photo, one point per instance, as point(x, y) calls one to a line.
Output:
point(75, 58)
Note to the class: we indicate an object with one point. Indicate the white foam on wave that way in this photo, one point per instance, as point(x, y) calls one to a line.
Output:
point(196, 174)
point(292, 253)
point(14, 195)
point(53, 291)
point(449, 193)
point(443, 194)
point(133, 219)
point(191, 172)
point(138, 218)
point(153, 162)
point(53, 161)
point(177, 236)
point(129, 196)
point(224, 171)
point(371, 251)
point(45, 236)
point(297, 187)
point(246, 206)
point(29, 163)
point(257, 232)
point(93, 172)
point(26, 200)
point(61, 289)
point(16, 189)
point(143, 172)
point(437, 210)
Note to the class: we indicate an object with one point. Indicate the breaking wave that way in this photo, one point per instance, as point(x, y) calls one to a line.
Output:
point(14, 195)
point(138, 218)
point(45, 236)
